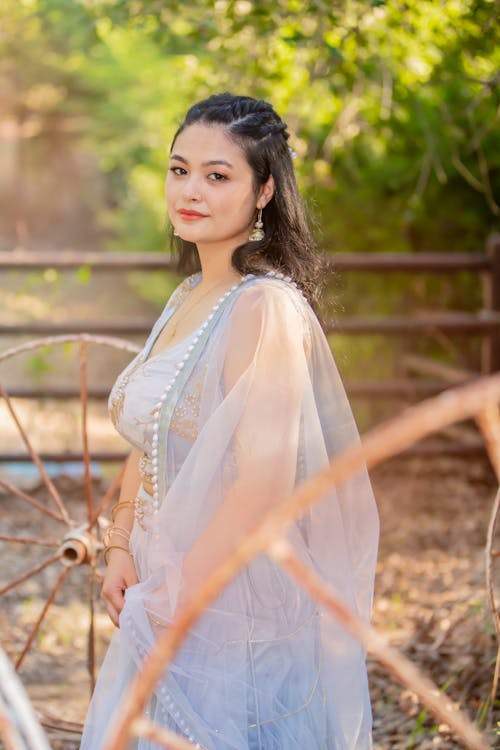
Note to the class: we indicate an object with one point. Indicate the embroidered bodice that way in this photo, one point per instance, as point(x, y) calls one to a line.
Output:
point(132, 404)
point(133, 400)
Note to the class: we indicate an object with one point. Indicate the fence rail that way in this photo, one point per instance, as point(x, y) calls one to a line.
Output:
point(484, 323)
point(448, 322)
point(397, 262)
point(402, 388)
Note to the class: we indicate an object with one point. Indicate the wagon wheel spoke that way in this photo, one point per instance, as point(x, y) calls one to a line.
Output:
point(77, 545)
point(31, 500)
point(31, 572)
point(29, 540)
point(85, 439)
point(99, 576)
point(41, 616)
point(490, 555)
point(112, 489)
point(91, 630)
point(36, 460)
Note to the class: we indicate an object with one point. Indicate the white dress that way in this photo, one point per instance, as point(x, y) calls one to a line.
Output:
point(258, 408)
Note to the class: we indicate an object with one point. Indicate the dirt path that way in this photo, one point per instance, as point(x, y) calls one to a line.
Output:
point(430, 601)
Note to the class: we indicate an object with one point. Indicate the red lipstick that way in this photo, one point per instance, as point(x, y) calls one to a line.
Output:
point(190, 215)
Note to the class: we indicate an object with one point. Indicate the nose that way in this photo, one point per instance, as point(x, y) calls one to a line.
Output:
point(192, 188)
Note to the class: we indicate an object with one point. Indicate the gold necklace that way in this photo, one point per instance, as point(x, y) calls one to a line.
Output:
point(189, 309)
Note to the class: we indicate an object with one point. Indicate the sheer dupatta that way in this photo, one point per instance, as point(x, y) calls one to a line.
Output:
point(263, 669)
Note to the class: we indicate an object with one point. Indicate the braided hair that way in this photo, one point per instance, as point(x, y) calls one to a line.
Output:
point(288, 245)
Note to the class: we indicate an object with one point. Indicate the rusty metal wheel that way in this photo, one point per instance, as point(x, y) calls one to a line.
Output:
point(19, 726)
point(69, 530)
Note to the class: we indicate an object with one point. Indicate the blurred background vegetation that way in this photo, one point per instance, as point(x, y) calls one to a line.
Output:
point(392, 105)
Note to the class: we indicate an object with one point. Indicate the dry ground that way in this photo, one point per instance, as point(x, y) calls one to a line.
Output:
point(430, 601)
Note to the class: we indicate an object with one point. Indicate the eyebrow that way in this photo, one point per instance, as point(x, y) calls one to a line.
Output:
point(205, 163)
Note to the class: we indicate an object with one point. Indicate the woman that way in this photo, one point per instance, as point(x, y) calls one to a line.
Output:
point(233, 401)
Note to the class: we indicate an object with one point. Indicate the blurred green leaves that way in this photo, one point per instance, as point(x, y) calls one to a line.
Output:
point(392, 106)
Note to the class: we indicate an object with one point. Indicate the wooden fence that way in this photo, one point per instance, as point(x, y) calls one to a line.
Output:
point(484, 323)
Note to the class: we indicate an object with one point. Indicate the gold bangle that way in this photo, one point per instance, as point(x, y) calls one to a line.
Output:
point(114, 546)
point(112, 531)
point(120, 504)
point(115, 529)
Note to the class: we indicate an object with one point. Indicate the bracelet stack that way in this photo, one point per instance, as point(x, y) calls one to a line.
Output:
point(120, 504)
point(115, 530)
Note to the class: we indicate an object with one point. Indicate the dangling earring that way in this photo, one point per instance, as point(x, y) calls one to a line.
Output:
point(258, 229)
point(174, 232)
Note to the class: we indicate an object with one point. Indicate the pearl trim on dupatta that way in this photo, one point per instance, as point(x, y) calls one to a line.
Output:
point(178, 369)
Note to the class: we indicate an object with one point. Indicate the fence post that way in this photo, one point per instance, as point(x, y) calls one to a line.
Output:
point(491, 296)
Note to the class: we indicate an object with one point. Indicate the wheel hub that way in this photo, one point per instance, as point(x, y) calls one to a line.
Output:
point(78, 547)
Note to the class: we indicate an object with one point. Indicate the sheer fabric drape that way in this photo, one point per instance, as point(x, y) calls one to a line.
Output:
point(264, 669)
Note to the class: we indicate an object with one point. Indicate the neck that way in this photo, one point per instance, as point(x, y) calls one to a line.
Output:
point(216, 265)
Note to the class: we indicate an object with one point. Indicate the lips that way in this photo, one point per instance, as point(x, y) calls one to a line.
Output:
point(191, 214)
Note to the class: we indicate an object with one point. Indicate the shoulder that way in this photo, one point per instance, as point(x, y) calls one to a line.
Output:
point(267, 291)
point(271, 303)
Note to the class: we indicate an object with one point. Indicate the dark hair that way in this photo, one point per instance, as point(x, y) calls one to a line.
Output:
point(288, 245)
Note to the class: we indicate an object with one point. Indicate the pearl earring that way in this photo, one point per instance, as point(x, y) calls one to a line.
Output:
point(258, 230)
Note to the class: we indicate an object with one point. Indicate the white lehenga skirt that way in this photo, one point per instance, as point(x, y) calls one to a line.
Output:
point(273, 696)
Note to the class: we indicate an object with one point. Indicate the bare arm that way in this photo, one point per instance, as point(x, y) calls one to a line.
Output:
point(120, 572)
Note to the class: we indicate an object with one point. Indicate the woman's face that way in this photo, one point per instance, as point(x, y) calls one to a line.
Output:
point(209, 188)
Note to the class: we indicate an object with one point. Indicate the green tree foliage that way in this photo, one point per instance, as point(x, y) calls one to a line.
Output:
point(392, 106)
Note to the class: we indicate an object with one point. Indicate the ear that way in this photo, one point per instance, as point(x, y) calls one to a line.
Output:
point(266, 192)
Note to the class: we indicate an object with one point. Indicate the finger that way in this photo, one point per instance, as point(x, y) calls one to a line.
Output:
point(113, 614)
point(116, 599)
point(132, 580)
point(113, 596)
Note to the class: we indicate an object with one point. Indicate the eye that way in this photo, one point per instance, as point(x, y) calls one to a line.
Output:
point(216, 176)
point(178, 170)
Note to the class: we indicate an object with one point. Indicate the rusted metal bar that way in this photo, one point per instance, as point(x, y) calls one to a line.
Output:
point(54, 494)
point(490, 354)
point(31, 572)
point(29, 540)
point(450, 322)
point(427, 366)
point(384, 441)
point(434, 448)
point(91, 629)
point(85, 439)
point(406, 672)
point(405, 387)
point(110, 492)
point(58, 393)
point(131, 326)
point(41, 616)
point(66, 457)
point(68, 259)
point(414, 262)
point(51, 340)
point(488, 421)
point(489, 556)
point(54, 722)
point(11, 489)
point(402, 388)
